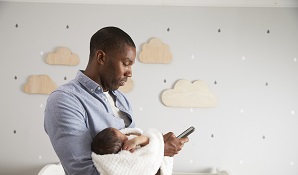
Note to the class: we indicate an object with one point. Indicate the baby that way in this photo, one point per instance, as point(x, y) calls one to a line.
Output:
point(112, 140)
point(130, 152)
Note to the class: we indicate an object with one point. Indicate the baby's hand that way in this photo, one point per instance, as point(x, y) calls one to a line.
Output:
point(129, 145)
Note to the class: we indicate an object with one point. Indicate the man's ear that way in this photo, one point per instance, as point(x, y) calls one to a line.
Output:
point(100, 56)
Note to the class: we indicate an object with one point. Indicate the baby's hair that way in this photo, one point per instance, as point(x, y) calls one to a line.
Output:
point(106, 142)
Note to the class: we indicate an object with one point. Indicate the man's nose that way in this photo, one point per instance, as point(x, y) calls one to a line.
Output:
point(128, 73)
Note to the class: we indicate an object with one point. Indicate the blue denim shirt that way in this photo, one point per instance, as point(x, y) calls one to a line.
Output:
point(74, 114)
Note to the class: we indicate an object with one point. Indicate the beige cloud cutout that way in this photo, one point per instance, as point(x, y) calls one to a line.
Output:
point(63, 56)
point(187, 94)
point(39, 84)
point(155, 52)
point(128, 86)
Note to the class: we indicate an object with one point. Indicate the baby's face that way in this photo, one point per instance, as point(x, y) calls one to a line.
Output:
point(120, 135)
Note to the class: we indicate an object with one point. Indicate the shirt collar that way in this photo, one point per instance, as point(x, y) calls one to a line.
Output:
point(85, 81)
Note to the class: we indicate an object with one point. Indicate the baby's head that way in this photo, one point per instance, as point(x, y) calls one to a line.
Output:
point(108, 141)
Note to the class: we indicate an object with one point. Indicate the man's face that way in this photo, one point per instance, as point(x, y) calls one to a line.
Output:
point(118, 67)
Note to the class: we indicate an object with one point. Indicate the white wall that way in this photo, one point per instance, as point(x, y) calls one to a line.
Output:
point(254, 125)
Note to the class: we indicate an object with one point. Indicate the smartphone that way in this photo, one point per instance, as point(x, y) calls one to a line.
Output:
point(186, 132)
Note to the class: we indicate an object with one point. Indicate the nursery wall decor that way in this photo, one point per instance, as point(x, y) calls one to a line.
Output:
point(155, 51)
point(189, 95)
point(63, 56)
point(39, 84)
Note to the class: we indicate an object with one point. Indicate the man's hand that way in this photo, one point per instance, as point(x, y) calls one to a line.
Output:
point(172, 144)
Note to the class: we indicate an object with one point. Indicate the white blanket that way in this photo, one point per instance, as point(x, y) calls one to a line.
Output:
point(145, 160)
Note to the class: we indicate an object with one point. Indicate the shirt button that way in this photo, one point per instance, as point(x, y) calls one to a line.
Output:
point(91, 90)
point(106, 99)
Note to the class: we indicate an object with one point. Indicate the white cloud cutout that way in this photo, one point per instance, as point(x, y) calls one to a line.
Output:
point(189, 95)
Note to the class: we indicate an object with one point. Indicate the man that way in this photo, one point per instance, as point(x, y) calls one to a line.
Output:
point(78, 110)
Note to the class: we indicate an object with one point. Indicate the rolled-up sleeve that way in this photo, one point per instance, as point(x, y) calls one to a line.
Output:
point(65, 125)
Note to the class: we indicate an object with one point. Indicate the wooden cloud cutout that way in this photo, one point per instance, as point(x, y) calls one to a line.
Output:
point(39, 84)
point(189, 95)
point(155, 52)
point(63, 56)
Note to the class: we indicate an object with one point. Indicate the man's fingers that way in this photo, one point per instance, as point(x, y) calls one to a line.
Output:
point(167, 135)
point(184, 140)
